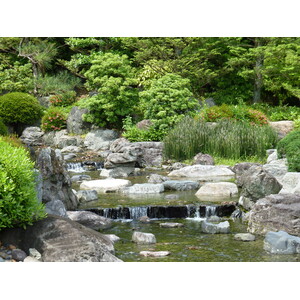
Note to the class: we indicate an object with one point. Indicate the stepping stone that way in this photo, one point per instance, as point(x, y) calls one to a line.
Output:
point(155, 253)
point(170, 225)
point(245, 237)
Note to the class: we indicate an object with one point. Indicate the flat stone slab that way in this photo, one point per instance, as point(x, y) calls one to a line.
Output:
point(143, 238)
point(170, 225)
point(217, 190)
point(181, 185)
point(244, 237)
point(281, 243)
point(155, 253)
point(145, 188)
point(204, 173)
point(222, 227)
point(105, 185)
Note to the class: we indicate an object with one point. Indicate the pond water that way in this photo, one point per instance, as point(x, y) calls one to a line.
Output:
point(187, 243)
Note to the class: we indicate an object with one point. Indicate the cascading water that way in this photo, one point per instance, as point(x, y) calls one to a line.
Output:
point(137, 212)
point(75, 167)
point(210, 211)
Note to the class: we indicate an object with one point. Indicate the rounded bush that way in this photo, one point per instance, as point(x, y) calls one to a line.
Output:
point(3, 128)
point(54, 119)
point(19, 108)
point(19, 205)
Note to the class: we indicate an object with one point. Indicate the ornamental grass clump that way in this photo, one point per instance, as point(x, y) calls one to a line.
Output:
point(19, 205)
point(226, 139)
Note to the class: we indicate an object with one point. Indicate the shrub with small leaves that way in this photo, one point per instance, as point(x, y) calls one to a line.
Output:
point(19, 205)
point(3, 128)
point(54, 119)
point(65, 99)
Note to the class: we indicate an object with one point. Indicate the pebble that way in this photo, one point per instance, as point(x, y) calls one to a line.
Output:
point(10, 253)
point(18, 254)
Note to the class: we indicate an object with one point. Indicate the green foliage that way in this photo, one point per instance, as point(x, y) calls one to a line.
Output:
point(19, 205)
point(167, 101)
point(54, 119)
point(135, 134)
point(62, 82)
point(289, 147)
point(16, 77)
point(236, 112)
point(226, 139)
point(65, 99)
point(112, 76)
point(3, 128)
point(19, 108)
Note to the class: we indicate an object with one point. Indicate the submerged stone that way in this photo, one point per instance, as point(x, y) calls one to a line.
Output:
point(222, 227)
point(143, 238)
point(245, 237)
point(155, 253)
point(281, 243)
point(170, 225)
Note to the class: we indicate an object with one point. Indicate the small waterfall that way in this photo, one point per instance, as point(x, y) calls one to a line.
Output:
point(137, 212)
point(210, 211)
point(75, 167)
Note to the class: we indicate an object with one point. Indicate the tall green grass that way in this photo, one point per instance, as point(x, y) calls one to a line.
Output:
point(226, 139)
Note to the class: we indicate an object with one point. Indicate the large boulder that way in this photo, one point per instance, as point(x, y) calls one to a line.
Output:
point(56, 180)
point(32, 136)
point(90, 219)
point(181, 185)
point(290, 183)
point(100, 139)
point(217, 190)
point(75, 124)
point(143, 238)
point(257, 183)
point(61, 139)
point(105, 185)
point(240, 168)
point(62, 240)
point(203, 159)
point(281, 243)
point(203, 172)
point(56, 207)
point(274, 213)
point(282, 127)
point(151, 154)
point(277, 168)
point(144, 188)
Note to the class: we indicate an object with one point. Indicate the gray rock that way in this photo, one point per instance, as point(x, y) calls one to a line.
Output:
point(170, 225)
point(144, 124)
point(117, 172)
point(203, 159)
point(100, 139)
point(172, 197)
point(30, 259)
point(155, 178)
point(282, 127)
point(39, 184)
point(32, 136)
point(244, 237)
point(77, 178)
point(278, 170)
point(112, 237)
point(35, 254)
point(56, 207)
point(144, 219)
point(240, 168)
point(290, 183)
point(62, 240)
point(87, 195)
point(257, 183)
point(181, 185)
point(105, 185)
point(56, 180)
point(281, 243)
point(75, 124)
point(155, 253)
point(61, 139)
point(44, 101)
point(273, 156)
point(18, 254)
point(222, 227)
point(144, 188)
point(69, 156)
point(143, 238)
point(217, 190)
point(71, 149)
point(205, 173)
point(237, 214)
point(151, 154)
point(177, 166)
point(90, 219)
point(279, 212)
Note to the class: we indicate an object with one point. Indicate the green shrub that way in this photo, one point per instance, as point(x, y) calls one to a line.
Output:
point(289, 147)
point(3, 128)
point(19, 109)
point(19, 205)
point(167, 101)
point(112, 76)
point(135, 134)
point(54, 119)
point(236, 112)
point(226, 139)
point(64, 99)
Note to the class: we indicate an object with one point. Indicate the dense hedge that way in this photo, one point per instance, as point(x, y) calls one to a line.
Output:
point(3, 128)
point(19, 108)
point(19, 205)
point(289, 147)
